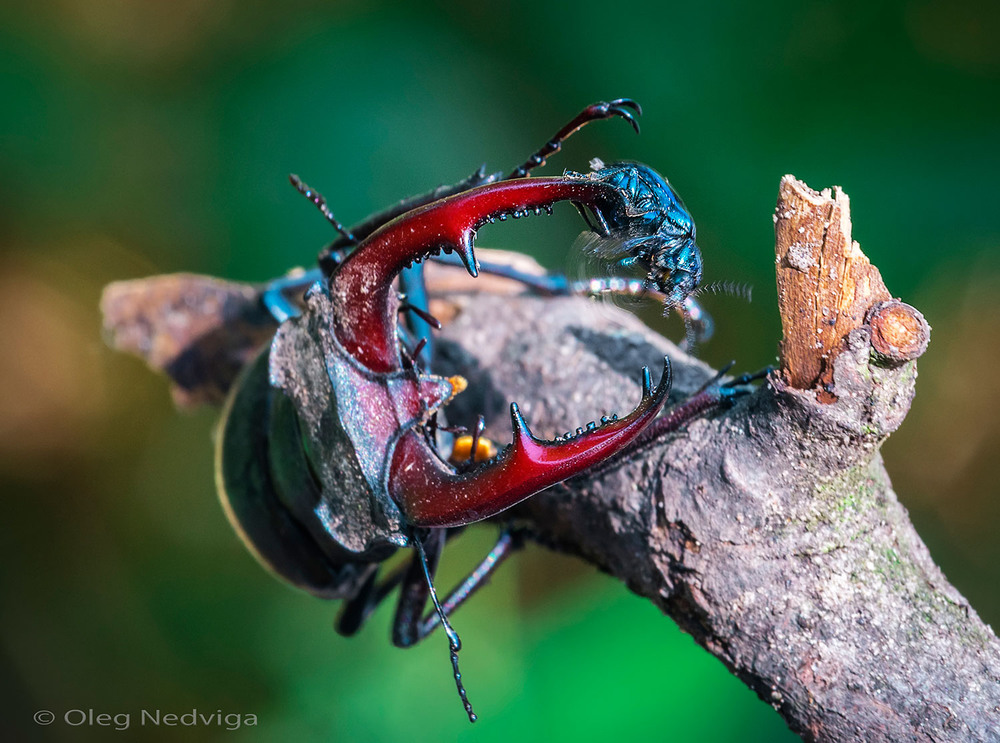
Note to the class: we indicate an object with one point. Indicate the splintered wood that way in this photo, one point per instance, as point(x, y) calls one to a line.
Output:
point(825, 283)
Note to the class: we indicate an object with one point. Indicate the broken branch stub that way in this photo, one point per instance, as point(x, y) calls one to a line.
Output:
point(826, 285)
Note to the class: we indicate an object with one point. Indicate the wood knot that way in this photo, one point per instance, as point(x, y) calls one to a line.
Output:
point(899, 332)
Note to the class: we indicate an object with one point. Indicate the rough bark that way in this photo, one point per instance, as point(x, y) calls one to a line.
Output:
point(769, 531)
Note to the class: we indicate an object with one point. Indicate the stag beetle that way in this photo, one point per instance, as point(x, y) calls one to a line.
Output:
point(329, 456)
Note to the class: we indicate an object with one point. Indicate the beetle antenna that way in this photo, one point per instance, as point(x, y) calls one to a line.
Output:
point(317, 198)
point(741, 290)
point(454, 641)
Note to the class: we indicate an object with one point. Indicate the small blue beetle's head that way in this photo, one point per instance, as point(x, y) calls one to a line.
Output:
point(676, 270)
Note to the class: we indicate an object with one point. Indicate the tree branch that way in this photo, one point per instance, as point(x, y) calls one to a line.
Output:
point(770, 532)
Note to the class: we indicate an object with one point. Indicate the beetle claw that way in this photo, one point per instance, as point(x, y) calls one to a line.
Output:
point(628, 116)
point(634, 105)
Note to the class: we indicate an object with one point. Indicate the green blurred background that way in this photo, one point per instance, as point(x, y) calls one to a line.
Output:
point(143, 137)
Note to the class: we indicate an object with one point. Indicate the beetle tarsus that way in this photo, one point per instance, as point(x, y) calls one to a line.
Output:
point(454, 641)
point(626, 108)
point(749, 377)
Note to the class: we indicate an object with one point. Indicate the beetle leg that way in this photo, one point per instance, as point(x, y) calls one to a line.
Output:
point(626, 108)
point(408, 626)
point(356, 610)
point(276, 294)
point(555, 284)
point(415, 590)
point(417, 585)
point(510, 541)
point(697, 322)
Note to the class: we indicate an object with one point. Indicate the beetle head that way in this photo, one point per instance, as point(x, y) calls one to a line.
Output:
point(349, 334)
